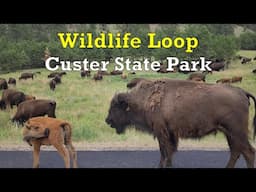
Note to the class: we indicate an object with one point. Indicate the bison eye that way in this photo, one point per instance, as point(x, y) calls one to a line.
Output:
point(36, 128)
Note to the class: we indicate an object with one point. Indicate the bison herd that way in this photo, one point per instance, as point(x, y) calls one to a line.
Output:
point(166, 108)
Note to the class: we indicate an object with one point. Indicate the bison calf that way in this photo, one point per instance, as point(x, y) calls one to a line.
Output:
point(49, 131)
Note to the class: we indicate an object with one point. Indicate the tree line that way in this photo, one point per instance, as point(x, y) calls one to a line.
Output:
point(26, 45)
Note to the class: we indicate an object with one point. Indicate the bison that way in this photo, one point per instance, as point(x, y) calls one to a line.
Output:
point(57, 79)
point(236, 79)
point(52, 84)
point(173, 109)
point(217, 66)
point(34, 108)
point(3, 84)
point(246, 60)
point(49, 131)
point(12, 81)
point(97, 77)
point(85, 73)
point(12, 97)
point(53, 74)
point(26, 76)
point(254, 70)
point(224, 80)
point(116, 72)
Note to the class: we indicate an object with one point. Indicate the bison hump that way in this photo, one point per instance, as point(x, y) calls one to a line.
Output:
point(156, 95)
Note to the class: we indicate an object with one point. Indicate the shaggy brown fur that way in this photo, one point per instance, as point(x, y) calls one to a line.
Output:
point(97, 77)
point(12, 97)
point(34, 108)
point(26, 76)
point(173, 109)
point(49, 131)
point(12, 81)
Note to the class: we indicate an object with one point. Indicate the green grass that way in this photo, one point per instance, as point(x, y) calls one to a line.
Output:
point(84, 103)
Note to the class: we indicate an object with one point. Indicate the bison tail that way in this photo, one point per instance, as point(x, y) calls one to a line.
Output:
point(254, 118)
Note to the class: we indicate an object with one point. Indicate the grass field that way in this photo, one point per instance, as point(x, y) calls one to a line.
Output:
point(85, 104)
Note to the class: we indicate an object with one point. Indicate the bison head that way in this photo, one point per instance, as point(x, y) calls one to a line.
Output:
point(32, 131)
point(118, 116)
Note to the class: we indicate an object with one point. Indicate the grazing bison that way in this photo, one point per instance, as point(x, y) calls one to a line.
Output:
point(12, 97)
point(85, 73)
point(34, 108)
point(49, 131)
point(97, 77)
point(197, 76)
point(3, 84)
point(103, 73)
point(116, 72)
point(254, 70)
point(57, 79)
point(52, 84)
point(224, 80)
point(254, 58)
point(217, 66)
point(236, 79)
point(246, 60)
point(173, 109)
point(26, 76)
point(12, 81)
point(53, 74)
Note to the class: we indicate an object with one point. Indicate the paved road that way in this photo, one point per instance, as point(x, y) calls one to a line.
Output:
point(119, 159)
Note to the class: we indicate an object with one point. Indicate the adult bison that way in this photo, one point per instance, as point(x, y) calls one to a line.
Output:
point(3, 84)
point(217, 66)
point(13, 97)
point(26, 76)
point(34, 108)
point(170, 109)
point(12, 81)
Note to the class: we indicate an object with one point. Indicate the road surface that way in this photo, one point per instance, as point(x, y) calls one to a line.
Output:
point(120, 159)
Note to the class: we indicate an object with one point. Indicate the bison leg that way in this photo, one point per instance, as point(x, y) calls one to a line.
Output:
point(249, 155)
point(36, 154)
point(72, 154)
point(234, 154)
point(239, 144)
point(64, 153)
point(163, 154)
point(167, 148)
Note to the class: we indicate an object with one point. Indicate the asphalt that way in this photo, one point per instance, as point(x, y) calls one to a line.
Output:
point(120, 159)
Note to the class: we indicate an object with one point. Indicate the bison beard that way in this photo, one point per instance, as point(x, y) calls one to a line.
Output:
point(170, 109)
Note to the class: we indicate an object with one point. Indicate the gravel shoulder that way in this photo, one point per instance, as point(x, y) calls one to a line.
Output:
point(123, 146)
